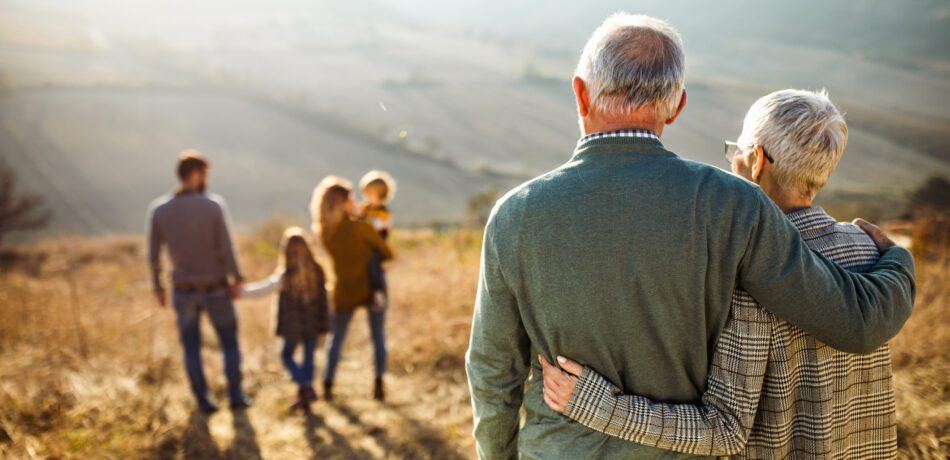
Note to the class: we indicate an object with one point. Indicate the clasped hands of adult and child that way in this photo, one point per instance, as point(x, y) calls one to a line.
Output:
point(560, 381)
point(234, 292)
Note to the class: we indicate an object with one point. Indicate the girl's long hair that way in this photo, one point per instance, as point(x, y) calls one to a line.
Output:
point(301, 278)
point(327, 206)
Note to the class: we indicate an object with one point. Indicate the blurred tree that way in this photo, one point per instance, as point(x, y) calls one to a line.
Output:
point(480, 206)
point(933, 195)
point(19, 211)
point(929, 206)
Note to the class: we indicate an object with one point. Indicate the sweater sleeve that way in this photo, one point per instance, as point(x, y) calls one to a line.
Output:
point(852, 312)
point(497, 361)
point(226, 243)
point(155, 242)
point(262, 288)
point(323, 299)
point(376, 241)
point(720, 424)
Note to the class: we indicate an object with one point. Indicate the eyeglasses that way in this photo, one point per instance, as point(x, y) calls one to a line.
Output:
point(731, 149)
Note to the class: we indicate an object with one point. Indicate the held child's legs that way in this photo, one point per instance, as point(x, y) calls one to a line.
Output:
point(377, 280)
point(377, 276)
point(341, 322)
point(377, 329)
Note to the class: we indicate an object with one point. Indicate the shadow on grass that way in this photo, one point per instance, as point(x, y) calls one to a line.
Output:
point(196, 441)
point(245, 444)
point(414, 438)
point(331, 445)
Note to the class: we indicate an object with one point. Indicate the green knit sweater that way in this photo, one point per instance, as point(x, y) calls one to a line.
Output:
point(625, 258)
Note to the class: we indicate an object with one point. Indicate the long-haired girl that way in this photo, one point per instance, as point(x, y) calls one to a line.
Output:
point(302, 312)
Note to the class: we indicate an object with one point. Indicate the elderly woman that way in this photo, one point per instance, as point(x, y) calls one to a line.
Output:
point(773, 391)
point(351, 245)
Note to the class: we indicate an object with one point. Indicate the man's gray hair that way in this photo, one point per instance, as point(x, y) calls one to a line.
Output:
point(631, 62)
point(803, 132)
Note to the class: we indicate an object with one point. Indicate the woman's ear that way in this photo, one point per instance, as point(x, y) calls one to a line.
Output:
point(759, 163)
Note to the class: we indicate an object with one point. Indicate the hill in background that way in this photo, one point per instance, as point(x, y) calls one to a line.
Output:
point(98, 96)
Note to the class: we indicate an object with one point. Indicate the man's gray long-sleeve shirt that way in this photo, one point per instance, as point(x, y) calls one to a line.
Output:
point(626, 258)
point(194, 226)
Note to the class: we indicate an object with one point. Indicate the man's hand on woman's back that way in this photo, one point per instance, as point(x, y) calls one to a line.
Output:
point(880, 238)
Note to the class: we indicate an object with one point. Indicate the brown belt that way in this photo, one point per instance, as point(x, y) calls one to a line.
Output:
point(186, 287)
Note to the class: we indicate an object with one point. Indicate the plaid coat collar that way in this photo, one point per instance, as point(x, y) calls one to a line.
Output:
point(813, 218)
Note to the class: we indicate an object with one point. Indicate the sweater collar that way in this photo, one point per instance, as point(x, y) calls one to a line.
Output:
point(620, 144)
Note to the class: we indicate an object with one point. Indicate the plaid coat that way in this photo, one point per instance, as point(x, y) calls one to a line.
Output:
point(773, 391)
point(295, 320)
point(301, 321)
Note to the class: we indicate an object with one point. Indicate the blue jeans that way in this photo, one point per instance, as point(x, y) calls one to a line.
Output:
point(220, 310)
point(341, 323)
point(302, 374)
point(377, 276)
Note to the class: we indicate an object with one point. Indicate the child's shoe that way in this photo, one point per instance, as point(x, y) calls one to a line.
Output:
point(309, 394)
point(302, 403)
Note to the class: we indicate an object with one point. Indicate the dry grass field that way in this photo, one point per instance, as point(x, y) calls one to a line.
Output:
point(89, 366)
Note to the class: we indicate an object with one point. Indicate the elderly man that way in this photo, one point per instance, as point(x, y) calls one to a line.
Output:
point(626, 258)
point(773, 391)
point(194, 227)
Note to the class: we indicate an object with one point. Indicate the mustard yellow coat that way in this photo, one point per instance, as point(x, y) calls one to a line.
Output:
point(351, 247)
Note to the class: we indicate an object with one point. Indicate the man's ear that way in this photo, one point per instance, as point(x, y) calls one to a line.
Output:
point(679, 109)
point(581, 96)
point(759, 166)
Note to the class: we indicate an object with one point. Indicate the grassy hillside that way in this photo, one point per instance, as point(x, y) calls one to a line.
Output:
point(97, 97)
point(89, 366)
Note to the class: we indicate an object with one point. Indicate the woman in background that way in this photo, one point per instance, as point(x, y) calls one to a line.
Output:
point(302, 311)
point(351, 245)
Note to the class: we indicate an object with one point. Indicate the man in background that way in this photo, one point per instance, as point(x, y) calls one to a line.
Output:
point(205, 274)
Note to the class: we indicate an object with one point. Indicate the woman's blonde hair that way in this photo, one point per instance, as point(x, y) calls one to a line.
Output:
point(302, 281)
point(381, 181)
point(805, 134)
point(326, 206)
